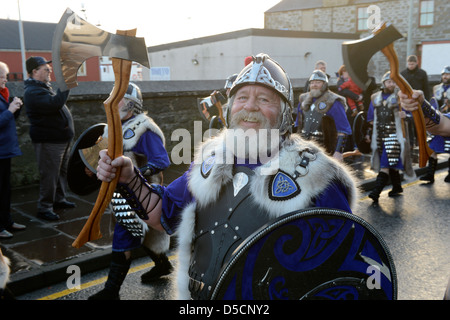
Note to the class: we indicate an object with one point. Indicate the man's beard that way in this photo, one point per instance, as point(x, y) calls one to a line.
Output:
point(315, 92)
point(389, 90)
point(446, 81)
point(255, 145)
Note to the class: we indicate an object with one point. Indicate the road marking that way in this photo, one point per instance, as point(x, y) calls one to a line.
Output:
point(96, 282)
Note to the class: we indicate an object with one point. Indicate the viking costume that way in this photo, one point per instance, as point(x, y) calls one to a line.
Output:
point(139, 132)
point(390, 148)
point(144, 143)
point(230, 202)
point(323, 117)
point(439, 144)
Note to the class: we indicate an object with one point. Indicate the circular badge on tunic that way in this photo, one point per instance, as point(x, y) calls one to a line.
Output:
point(310, 254)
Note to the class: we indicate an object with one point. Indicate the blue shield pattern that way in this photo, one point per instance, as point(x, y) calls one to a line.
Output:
point(310, 254)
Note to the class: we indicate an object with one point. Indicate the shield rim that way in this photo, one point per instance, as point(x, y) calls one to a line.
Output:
point(264, 230)
point(75, 153)
point(360, 114)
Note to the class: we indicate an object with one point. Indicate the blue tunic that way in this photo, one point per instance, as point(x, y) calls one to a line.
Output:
point(437, 143)
point(151, 145)
point(176, 196)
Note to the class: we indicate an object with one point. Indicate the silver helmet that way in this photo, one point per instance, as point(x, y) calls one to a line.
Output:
point(384, 78)
point(445, 70)
point(265, 71)
point(134, 94)
point(318, 75)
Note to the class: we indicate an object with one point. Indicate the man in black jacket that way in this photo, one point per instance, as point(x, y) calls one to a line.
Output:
point(51, 132)
point(416, 77)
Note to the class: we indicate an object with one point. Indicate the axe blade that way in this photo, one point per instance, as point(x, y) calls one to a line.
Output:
point(75, 40)
point(357, 54)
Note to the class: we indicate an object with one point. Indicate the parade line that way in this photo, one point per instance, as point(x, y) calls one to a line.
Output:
point(99, 281)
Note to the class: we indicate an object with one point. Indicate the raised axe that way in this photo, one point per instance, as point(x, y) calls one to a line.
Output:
point(356, 56)
point(74, 41)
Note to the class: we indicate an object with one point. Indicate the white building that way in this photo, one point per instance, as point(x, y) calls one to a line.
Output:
point(218, 56)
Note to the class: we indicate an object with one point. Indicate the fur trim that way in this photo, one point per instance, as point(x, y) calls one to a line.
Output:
point(139, 124)
point(4, 270)
point(185, 233)
point(328, 97)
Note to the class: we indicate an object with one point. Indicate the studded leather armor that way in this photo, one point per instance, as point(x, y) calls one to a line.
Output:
point(386, 129)
point(219, 229)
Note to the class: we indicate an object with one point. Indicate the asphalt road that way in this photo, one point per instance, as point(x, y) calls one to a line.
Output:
point(415, 227)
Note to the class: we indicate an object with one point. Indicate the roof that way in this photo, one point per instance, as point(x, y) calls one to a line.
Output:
point(37, 35)
point(254, 32)
point(291, 5)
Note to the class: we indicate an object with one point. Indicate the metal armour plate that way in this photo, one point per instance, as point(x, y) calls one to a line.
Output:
point(310, 254)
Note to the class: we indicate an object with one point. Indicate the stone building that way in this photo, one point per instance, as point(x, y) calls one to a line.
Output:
point(422, 22)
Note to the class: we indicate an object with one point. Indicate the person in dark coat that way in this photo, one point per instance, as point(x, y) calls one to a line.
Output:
point(51, 132)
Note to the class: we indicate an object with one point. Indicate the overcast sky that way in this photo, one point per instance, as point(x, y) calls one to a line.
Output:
point(161, 21)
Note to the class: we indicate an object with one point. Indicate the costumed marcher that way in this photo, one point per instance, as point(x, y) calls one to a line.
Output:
point(436, 122)
point(51, 132)
point(144, 143)
point(390, 154)
point(324, 116)
point(228, 196)
point(439, 144)
point(319, 65)
point(9, 148)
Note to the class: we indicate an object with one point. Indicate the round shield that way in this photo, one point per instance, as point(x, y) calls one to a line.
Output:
point(360, 127)
point(78, 180)
point(310, 254)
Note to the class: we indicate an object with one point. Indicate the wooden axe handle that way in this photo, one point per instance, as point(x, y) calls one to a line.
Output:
point(122, 71)
point(419, 120)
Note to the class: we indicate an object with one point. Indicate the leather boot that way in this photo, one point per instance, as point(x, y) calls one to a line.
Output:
point(380, 183)
point(396, 181)
point(431, 169)
point(162, 267)
point(447, 178)
point(117, 272)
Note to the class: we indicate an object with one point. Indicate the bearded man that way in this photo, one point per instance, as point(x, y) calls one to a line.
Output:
point(230, 191)
point(321, 116)
point(390, 146)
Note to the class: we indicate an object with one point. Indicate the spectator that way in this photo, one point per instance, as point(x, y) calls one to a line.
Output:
point(9, 148)
point(51, 132)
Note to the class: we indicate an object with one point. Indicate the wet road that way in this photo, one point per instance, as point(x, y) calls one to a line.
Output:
point(415, 227)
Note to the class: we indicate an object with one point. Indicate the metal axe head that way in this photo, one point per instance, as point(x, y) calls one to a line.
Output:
point(357, 54)
point(76, 40)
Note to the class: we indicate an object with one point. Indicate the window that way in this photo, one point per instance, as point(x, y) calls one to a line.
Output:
point(426, 15)
point(361, 19)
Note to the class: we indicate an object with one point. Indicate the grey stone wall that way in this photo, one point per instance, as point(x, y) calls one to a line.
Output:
point(341, 16)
